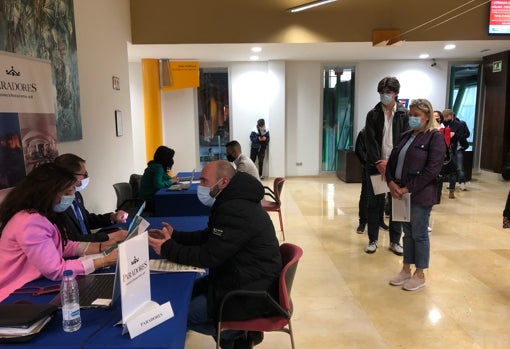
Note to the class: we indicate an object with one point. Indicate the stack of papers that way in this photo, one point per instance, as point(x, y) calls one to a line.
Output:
point(22, 334)
point(165, 266)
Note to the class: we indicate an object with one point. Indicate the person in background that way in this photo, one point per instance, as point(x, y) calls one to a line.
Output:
point(438, 115)
point(33, 239)
point(383, 127)
point(77, 218)
point(239, 246)
point(459, 135)
point(259, 142)
point(156, 175)
point(413, 167)
point(363, 197)
point(242, 162)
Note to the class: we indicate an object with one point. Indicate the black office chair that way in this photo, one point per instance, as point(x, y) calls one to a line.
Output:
point(135, 183)
point(125, 199)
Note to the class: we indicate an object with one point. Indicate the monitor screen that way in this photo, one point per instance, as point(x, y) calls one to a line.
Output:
point(499, 17)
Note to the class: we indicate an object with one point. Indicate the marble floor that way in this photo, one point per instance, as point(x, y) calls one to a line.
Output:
point(341, 295)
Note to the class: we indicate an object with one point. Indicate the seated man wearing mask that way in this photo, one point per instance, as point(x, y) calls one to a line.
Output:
point(77, 218)
point(242, 162)
point(239, 246)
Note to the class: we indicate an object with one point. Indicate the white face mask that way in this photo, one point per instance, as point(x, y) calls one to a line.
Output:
point(84, 183)
point(65, 202)
point(205, 196)
point(386, 98)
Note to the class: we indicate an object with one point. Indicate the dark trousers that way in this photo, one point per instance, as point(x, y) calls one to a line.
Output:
point(260, 154)
point(374, 204)
point(363, 201)
point(506, 211)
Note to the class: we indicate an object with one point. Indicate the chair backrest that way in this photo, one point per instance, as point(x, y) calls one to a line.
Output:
point(135, 182)
point(278, 187)
point(123, 192)
point(290, 257)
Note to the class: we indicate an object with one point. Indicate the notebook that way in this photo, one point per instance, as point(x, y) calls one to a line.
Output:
point(183, 186)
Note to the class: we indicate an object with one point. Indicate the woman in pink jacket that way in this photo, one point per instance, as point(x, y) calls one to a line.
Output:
point(33, 241)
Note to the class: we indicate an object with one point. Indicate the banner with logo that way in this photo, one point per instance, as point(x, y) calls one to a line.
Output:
point(28, 133)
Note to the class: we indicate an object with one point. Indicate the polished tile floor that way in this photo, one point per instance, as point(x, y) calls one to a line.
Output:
point(341, 294)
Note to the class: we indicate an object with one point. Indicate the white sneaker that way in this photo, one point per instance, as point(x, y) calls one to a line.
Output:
point(371, 247)
point(429, 229)
point(462, 186)
point(396, 248)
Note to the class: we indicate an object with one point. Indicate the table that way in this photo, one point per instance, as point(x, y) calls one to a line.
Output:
point(196, 177)
point(98, 330)
point(179, 203)
point(97, 324)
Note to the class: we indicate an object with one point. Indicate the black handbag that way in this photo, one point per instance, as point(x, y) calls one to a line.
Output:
point(449, 163)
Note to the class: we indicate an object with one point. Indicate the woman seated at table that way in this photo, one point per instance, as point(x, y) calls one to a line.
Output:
point(33, 240)
point(155, 175)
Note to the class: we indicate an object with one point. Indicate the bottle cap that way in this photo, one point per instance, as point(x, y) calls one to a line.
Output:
point(68, 273)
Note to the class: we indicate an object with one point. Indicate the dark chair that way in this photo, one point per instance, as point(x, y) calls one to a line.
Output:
point(125, 199)
point(274, 205)
point(283, 307)
point(135, 183)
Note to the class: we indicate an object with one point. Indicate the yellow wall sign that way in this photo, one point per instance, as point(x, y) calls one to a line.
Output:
point(182, 75)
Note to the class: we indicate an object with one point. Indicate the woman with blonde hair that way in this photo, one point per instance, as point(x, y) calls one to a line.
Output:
point(413, 167)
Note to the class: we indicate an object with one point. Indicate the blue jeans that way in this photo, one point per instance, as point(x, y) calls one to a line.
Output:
point(416, 237)
point(199, 321)
point(459, 176)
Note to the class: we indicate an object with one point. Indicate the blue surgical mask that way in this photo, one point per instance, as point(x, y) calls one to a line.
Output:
point(386, 98)
point(65, 202)
point(84, 183)
point(414, 122)
point(205, 196)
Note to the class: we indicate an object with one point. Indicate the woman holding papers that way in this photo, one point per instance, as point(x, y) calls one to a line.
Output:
point(33, 241)
point(412, 169)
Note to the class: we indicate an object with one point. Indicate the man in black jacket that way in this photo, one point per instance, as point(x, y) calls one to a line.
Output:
point(383, 127)
point(239, 246)
point(77, 219)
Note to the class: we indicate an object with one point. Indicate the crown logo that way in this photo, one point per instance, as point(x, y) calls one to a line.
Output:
point(12, 72)
point(134, 261)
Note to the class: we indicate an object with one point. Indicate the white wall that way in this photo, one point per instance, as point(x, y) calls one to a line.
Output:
point(102, 53)
point(417, 80)
point(289, 96)
point(137, 117)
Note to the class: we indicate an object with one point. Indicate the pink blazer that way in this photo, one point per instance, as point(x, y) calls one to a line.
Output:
point(31, 247)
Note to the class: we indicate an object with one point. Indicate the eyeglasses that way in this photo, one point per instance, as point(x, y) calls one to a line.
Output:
point(37, 291)
point(85, 175)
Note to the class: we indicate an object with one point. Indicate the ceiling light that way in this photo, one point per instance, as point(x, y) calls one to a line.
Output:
point(309, 5)
point(424, 55)
point(449, 46)
point(256, 49)
point(254, 58)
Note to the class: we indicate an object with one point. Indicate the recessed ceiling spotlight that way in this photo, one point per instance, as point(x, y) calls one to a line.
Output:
point(256, 49)
point(424, 55)
point(449, 46)
point(254, 58)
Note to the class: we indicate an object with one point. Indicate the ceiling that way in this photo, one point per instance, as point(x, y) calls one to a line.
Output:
point(324, 52)
point(337, 32)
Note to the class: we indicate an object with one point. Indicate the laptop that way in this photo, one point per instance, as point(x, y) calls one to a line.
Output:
point(101, 290)
point(182, 185)
point(96, 290)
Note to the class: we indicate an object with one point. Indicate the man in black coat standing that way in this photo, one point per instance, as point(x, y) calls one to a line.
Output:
point(239, 246)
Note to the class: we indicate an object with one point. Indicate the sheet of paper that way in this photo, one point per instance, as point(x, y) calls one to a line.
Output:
point(164, 265)
point(401, 209)
point(380, 186)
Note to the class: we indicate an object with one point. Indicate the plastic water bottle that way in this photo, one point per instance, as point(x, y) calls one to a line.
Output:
point(71, 318)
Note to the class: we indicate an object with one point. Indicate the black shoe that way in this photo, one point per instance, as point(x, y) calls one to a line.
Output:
point(361, 228)
point(255, 337)
point(383, 226)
